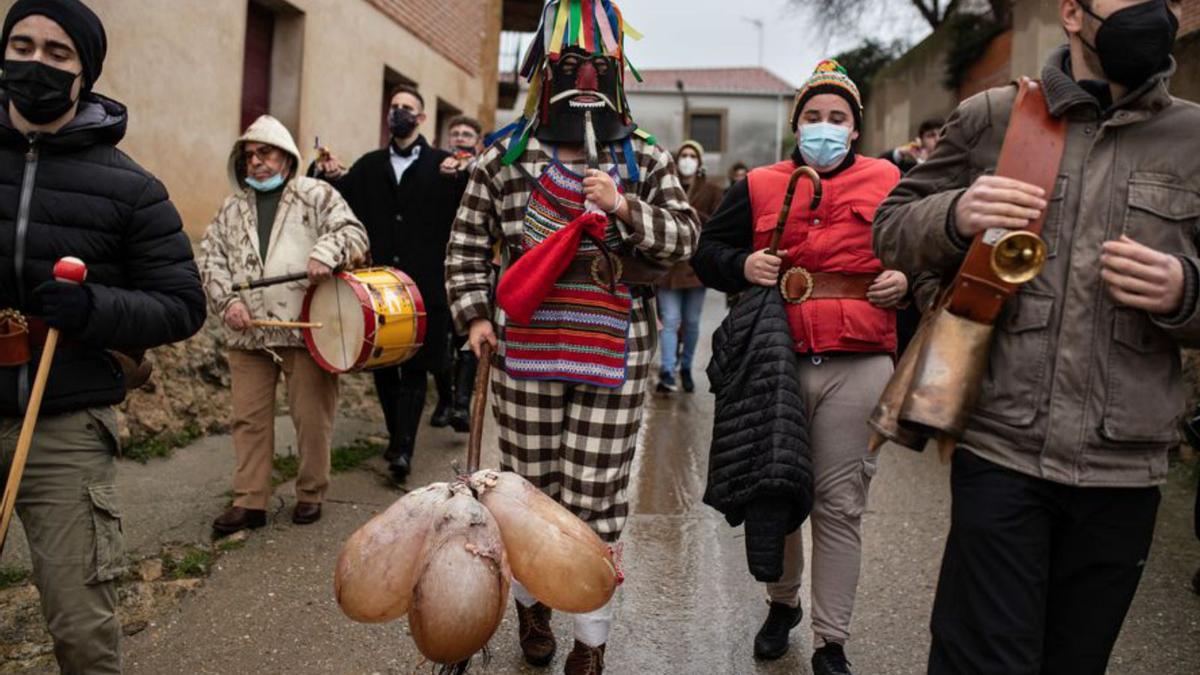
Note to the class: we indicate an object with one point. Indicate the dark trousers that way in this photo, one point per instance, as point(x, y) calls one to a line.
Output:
point(1037, 576)
point(402, 396)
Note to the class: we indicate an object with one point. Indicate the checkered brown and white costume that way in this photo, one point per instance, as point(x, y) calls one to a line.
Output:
point(574, 441)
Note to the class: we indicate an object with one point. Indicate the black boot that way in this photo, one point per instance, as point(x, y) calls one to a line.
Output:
point(445, 403)
point(464, 387)
point(410, 402)
point(442, 414)
point(830, 660)
point(772, 639)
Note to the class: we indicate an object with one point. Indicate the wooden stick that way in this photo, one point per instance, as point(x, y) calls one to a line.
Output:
point(271, 281)
point(264, 323)
point(26, 437)
point(479, 407)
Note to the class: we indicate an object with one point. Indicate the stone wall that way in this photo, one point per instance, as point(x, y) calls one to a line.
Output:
point(189, 393)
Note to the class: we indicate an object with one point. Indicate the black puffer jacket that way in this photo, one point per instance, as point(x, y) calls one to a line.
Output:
point(88, 199)
point(759, 466)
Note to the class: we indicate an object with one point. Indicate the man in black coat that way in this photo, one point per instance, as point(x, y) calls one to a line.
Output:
point(66, 190)
point(406, 195)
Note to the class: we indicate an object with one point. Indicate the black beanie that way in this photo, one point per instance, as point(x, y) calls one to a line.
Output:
point(77, 20)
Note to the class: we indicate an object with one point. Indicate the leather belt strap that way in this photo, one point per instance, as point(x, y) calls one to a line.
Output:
point(1032, 151)
point(798, 285)
point(593, 268)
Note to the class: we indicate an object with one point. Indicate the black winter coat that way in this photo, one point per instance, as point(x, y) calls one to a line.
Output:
point(759, 465)
point(89, 200)
point(409, 226)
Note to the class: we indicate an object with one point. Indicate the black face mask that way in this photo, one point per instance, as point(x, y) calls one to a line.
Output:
point(41, 93)
point(1134, 43)
point(578, 82)
point(401, 122)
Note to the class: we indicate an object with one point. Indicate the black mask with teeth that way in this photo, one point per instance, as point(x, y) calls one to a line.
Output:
point(576, 83)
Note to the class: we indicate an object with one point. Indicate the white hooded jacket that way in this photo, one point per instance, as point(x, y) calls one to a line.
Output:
point(312, 221)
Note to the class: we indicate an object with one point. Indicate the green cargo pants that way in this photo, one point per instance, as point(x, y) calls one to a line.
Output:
point(68, 504)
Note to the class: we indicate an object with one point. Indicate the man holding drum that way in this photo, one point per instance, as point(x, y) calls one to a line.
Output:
point(275, 223)
point(575, 359)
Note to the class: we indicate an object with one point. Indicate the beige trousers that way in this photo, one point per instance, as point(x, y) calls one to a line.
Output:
point(840, 392)
point(312, 397)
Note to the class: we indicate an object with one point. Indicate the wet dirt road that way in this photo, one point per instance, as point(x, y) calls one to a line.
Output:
point(688, 605)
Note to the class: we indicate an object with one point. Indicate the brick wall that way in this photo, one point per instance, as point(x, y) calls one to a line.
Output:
point(453, 28)
point(1191, 17)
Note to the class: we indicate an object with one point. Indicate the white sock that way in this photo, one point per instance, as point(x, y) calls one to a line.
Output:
point(522, 596)
point(592, 628)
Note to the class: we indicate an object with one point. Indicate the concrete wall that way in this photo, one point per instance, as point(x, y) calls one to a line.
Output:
point(177, 64)
point(1036, 32)
point(905, 93)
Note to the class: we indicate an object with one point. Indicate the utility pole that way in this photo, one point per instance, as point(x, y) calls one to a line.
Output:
point(687, 132)
point(762, 36)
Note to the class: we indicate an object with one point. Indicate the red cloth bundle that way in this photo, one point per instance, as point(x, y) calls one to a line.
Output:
point(526, 283)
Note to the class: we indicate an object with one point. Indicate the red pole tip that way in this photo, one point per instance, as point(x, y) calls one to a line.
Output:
point(70, 269)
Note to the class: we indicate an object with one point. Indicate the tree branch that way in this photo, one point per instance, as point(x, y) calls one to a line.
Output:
point(930, 13)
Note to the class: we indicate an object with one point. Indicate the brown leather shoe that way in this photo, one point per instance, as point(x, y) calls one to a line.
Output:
point(306, 513)
point(584, 660)
point(236, 519)
point(533, 629)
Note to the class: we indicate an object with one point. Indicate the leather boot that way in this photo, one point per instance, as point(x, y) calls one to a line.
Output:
point(441, 414)
point(444, 380)
point(464, 389)
point(584, 660)
point(236, 519)
point(409, 405)
point(535, 634)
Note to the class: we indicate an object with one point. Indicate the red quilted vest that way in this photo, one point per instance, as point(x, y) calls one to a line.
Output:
point(834, 238)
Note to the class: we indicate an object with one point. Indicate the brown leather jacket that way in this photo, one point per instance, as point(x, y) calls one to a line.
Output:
point(1079, 390)
point(705, 197)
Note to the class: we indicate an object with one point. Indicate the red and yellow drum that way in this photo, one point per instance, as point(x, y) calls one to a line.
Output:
point(370, 318)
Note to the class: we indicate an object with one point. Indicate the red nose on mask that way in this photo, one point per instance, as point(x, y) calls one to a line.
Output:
point(585, 79)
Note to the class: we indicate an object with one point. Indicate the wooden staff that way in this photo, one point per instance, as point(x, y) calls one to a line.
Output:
point(479, 406)
point(267, 323)
point(69, 270)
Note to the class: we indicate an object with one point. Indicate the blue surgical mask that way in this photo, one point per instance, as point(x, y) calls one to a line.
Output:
point(824, 145)
point(267, 185)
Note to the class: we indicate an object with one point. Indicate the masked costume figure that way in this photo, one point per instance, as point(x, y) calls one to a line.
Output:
point(575, 322)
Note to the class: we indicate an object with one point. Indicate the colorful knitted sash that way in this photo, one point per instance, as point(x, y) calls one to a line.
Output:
point(578, 333)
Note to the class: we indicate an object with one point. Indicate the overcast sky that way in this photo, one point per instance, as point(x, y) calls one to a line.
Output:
point(710, 33)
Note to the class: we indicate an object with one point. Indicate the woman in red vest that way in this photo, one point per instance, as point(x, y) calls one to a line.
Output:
point(842, 315)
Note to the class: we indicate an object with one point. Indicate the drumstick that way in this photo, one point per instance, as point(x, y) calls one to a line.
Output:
point(281, 279)
point(479, 407)
point(71, 270)
point(263, 323)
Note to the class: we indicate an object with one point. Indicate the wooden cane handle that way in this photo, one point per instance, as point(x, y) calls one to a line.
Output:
point(785, 210)
point(479, 407)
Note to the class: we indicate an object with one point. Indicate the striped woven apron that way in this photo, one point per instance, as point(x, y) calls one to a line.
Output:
point(579, 332)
